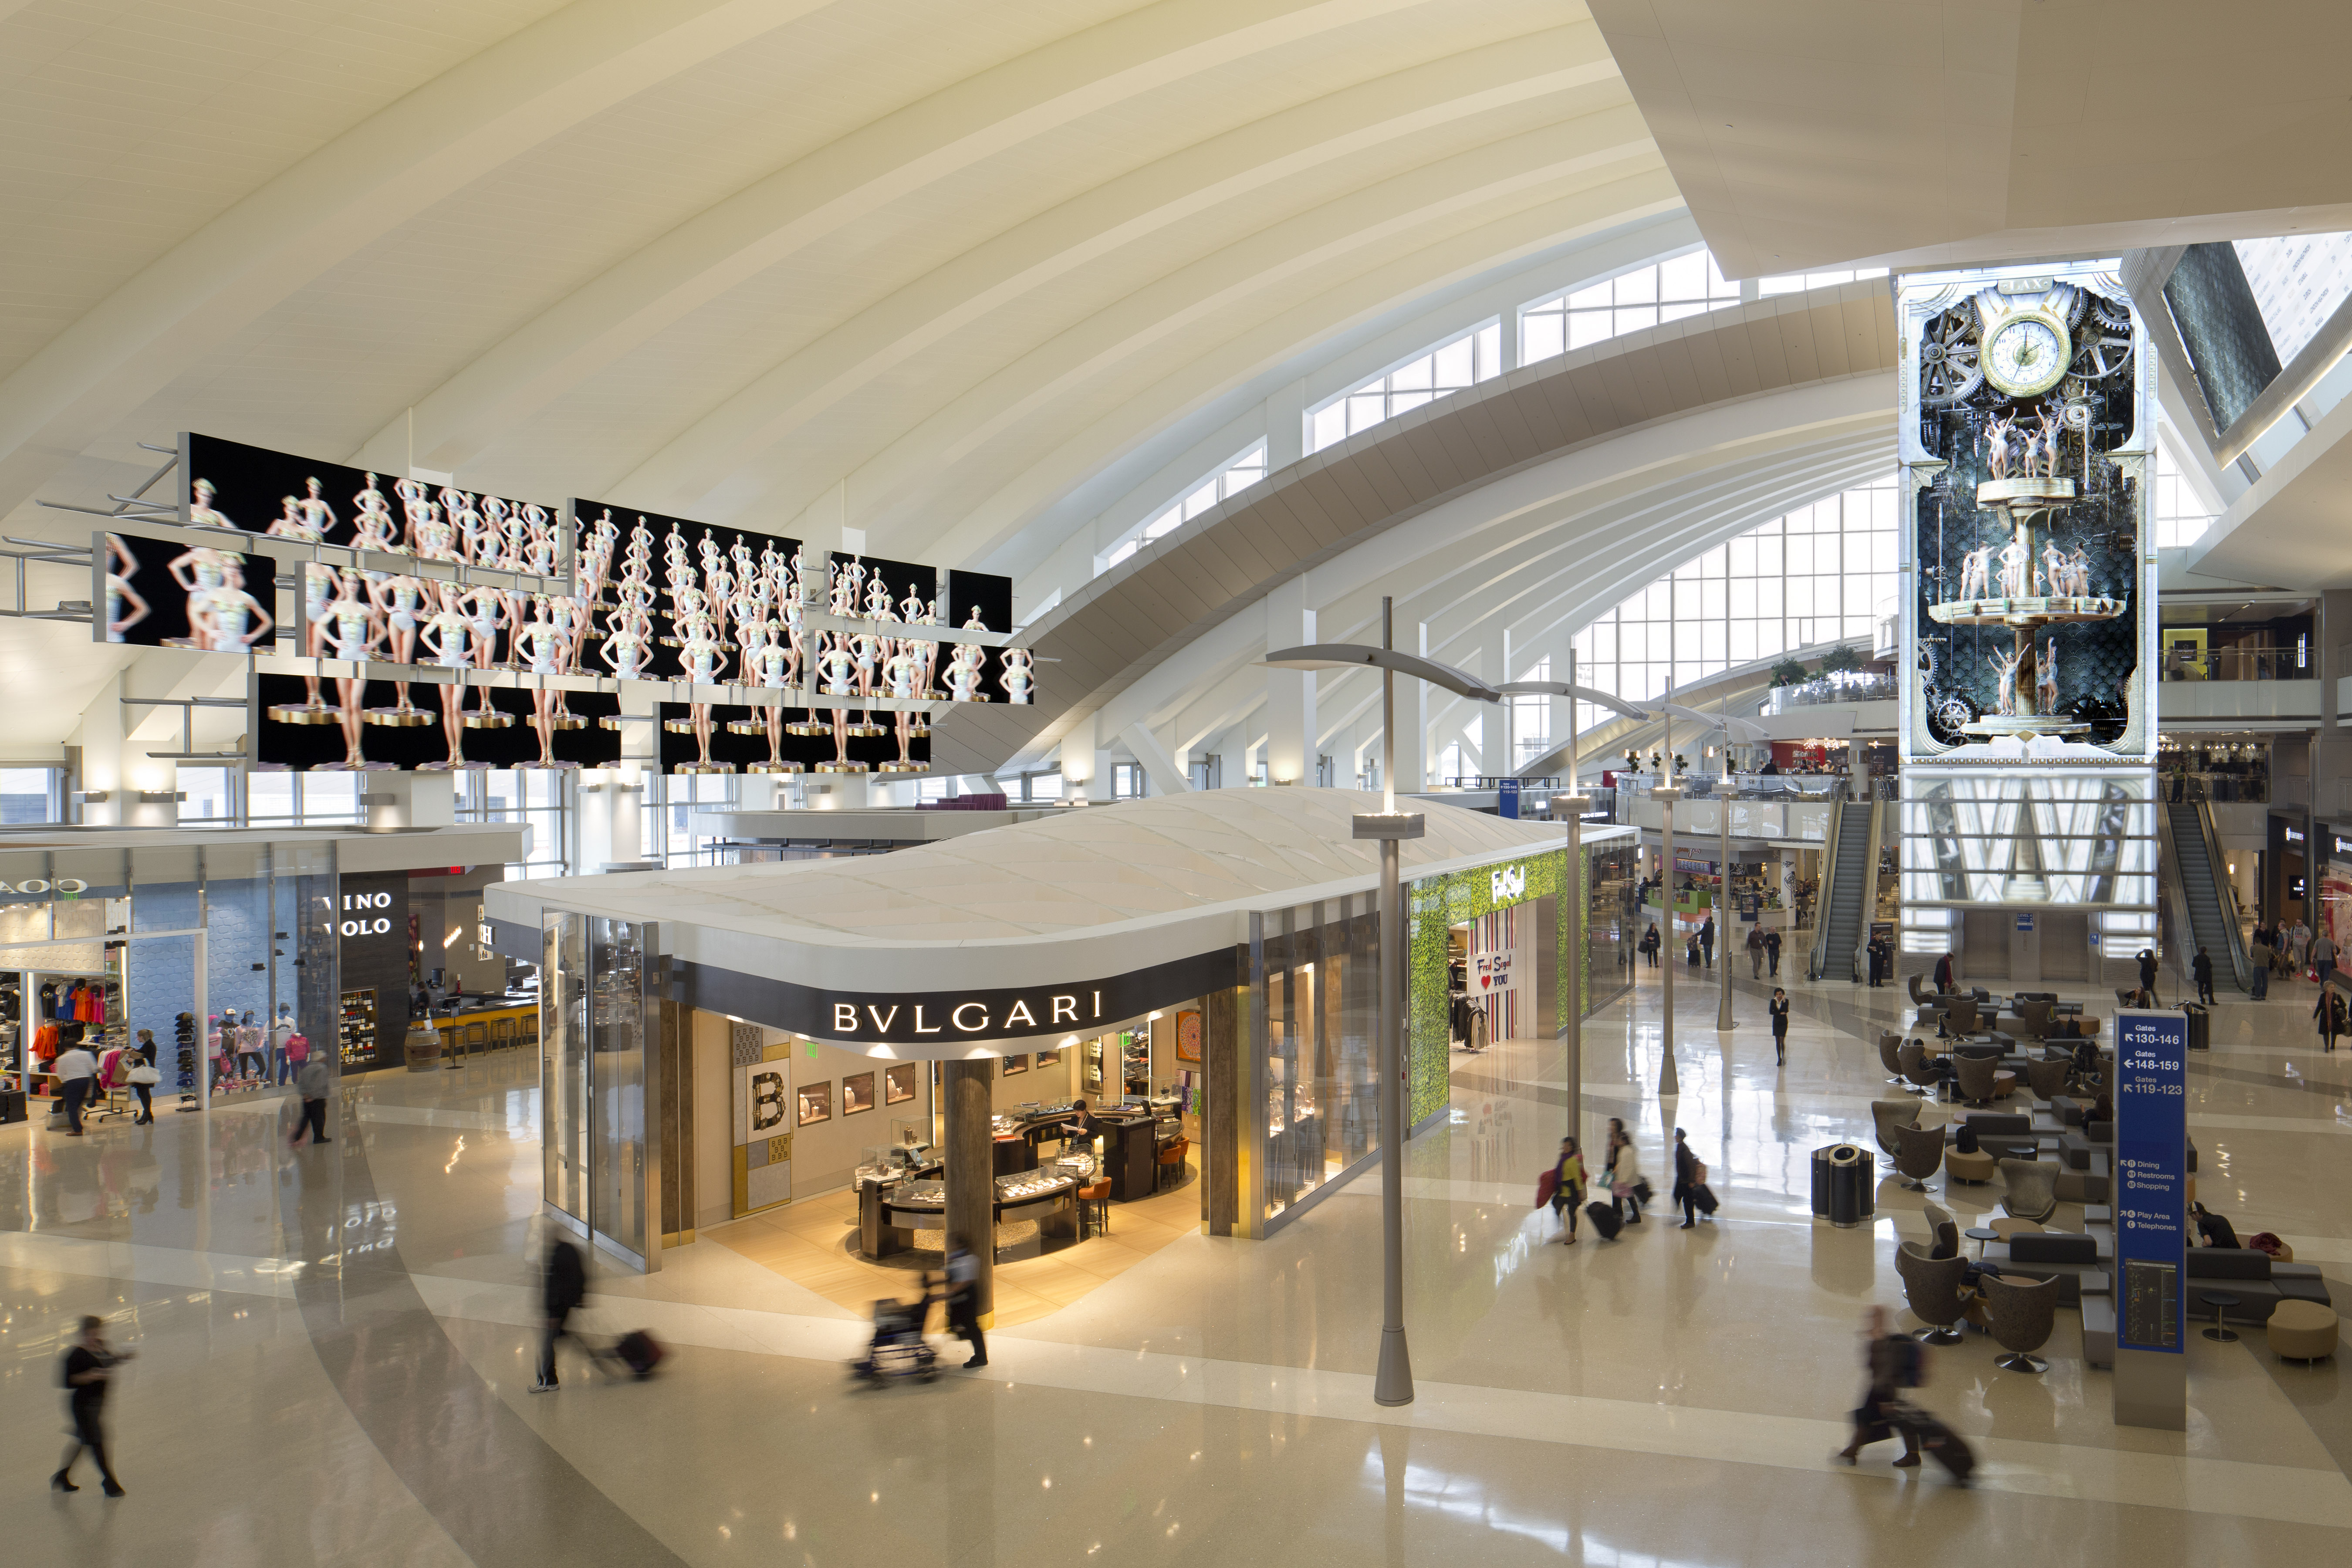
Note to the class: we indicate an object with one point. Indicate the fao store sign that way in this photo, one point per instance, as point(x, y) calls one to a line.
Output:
point(36, 888)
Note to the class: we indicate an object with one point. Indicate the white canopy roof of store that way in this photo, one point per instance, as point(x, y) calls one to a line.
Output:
point(1096, 891)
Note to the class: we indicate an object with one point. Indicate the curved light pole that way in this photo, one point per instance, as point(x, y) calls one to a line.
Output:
point(1392, 1385)
point(1666, 794)
point(1745, 731)
point(1577, 802)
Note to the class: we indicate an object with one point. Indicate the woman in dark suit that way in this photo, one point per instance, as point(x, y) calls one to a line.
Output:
point(1780, 1011)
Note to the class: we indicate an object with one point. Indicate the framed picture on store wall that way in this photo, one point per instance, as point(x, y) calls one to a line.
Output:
point(1048, 1059)
point(857, 1093)
point(1188, 1037)
point(1015, 1064)
point(816, 1103)
point(899, 1084)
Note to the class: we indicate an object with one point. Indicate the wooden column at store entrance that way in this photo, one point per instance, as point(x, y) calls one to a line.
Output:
point(1221, 1160)
point(971, 1173)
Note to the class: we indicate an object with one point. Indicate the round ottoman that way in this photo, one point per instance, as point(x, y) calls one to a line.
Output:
point(2010, 1224)
point(1964, 1167)
point(2303, 1331)
point(2004, 1084)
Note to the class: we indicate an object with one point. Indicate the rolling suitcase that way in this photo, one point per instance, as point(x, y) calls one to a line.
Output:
point(639, 1352)
point(1702, 1196)
point(1604, 1219)
point(1947, 1448)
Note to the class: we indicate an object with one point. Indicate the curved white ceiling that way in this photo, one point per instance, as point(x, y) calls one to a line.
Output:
point(917, 265)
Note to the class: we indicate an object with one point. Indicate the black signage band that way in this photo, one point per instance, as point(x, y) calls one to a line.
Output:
point(943, 1017)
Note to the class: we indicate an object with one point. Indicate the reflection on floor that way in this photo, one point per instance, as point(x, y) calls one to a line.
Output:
point(812, 1242)
point(337, 1347)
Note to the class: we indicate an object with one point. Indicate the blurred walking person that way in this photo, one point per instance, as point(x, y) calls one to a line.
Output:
point(88, 1365)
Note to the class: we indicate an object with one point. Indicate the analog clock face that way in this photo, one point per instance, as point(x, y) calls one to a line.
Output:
point(2025, 356)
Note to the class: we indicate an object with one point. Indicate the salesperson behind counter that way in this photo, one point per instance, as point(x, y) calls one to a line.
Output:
point(1084, 1126)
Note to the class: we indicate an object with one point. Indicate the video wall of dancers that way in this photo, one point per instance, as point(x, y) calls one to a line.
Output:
point(367, 726)
point(226, 484)
point(154, 594)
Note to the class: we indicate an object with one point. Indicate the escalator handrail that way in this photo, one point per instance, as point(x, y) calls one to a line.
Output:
point(1821, 899)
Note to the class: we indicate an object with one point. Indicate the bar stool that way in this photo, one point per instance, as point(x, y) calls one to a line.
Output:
point(478, 1038)
point(503, 1034)
point(1095, 1201)
point(1170, 1159)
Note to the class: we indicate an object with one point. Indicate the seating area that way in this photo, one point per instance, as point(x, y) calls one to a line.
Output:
point(2031, 1131)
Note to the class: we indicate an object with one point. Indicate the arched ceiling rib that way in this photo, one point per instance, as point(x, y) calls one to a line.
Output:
point(932, 261)
point(1667, 401)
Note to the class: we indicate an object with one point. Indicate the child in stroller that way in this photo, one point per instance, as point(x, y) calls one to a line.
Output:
point(899, 1348)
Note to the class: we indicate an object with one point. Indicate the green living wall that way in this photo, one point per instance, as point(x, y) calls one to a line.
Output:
point(1433, 906)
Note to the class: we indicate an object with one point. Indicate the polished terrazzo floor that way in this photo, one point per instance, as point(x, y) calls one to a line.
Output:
point(334, 1357)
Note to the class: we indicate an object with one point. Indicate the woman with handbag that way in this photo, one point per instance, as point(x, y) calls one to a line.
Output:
point(143, 1077)
point(1625, 1181)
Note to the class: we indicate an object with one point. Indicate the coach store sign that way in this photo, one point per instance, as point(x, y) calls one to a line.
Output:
point(936, 1019)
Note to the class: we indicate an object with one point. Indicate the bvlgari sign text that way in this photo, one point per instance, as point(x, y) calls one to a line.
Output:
point(851, 1019)
point(928, 1019)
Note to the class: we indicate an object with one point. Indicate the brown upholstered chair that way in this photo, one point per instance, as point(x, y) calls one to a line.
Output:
point(1171, 1163)
point(2032, 1188)
point(1962, 1016)
point(1093, 1207)
point(2047, 1079)
point(2034, 1019)
point(1932, 1287)
point(1916, 1068)
point(1919, 1151)
point(2019, 1314)
point(1891, 1116)
point(1974, 1076)
point(1889, 1049)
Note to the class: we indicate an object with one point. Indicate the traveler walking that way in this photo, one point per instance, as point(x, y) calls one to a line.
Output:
point(1624, 1173)
point(77, 1072)
point(1779, 1009)
point(1650, 944)
point(1772, 953)
point(1891, 1364)
point(1568, 1189)
point(313, 1083)
point(1755, 952)
point(2148, 976)
point(2202, 966)
point(2323, 955)
point(1686, 1180)
point(1707, 941)
point(564, 1287)
point(2335, 1019)
point(1944, 973)
point(963, 1299)
point(88, 1365)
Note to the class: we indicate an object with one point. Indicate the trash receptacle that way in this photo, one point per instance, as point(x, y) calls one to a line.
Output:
point(2200, 1025)
point(1852, 1181)
point(423, 1046)
point(1822, 1179)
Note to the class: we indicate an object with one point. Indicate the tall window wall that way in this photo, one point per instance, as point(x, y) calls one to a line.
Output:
point(2181, 517)
point(1531, 718)
point(1238, 475)
point(1816, 574)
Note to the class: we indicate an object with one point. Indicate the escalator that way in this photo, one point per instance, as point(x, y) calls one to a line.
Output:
point(1846, 891)
point(2204, 896)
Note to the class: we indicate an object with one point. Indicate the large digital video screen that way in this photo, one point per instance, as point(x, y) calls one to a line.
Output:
point(365, 726)
point(153, 594)
point(227, 484)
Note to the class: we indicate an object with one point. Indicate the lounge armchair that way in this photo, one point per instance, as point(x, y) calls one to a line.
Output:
point(1917, 1069)
point(1932, 1287)
point(2034, 1019)
point(2021, 1313)
point(1919, 1151)
point(1962, 1016)
point(1892, 1115)
point(1943, 1230)
point(2047, 1079)
point(2032, 1188)
point(1889, 1046)
point(1974, 1075)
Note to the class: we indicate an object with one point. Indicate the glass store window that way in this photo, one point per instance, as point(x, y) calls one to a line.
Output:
point(1313, 1016)
point(30, 795)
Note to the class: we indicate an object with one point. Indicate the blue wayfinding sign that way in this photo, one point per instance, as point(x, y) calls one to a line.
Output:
point(1506, 799)
point(2151, 1186)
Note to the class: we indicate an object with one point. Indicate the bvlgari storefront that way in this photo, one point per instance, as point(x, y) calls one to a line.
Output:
point(1199, 970)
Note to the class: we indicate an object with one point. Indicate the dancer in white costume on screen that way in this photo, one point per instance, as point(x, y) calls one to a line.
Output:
point(446, 635)
point(124, 608)
point(200, 509)
point(353, 630)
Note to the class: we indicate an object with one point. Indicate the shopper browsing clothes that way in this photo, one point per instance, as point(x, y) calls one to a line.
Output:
point(77, 1072)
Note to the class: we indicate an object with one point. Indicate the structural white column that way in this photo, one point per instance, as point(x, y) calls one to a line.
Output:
point(100, 740)
point(1412, 717)
point(1290, 732)
point(1086, 763)
point(612, 821)
point(395, 800)
point(1510, 357)
point(1285, 425)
